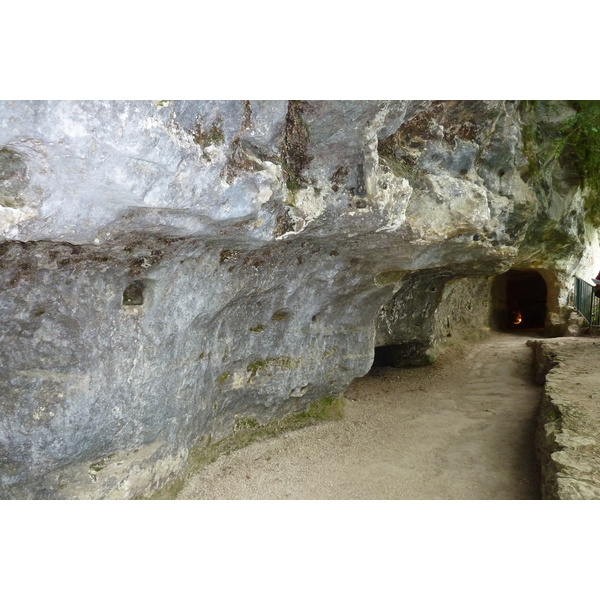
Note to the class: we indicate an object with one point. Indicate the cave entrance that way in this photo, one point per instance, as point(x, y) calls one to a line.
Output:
point(413, 354)
point(519, 300)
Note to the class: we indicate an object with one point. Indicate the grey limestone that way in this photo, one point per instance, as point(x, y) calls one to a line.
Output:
point(168, 268)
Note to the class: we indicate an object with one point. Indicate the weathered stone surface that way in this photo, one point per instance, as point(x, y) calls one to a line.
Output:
point(431, 308)
point(169, 268)
point(568, 438)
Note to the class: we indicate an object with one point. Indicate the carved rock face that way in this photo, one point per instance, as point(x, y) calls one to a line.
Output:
point(170, 268)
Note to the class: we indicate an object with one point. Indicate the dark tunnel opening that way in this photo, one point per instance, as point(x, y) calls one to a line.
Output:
point(520, 300)
point(408, 354)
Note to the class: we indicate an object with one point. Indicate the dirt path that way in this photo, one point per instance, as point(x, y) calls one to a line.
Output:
point(460, 429)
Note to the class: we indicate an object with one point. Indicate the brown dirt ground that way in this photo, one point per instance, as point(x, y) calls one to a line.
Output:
point(462, 428)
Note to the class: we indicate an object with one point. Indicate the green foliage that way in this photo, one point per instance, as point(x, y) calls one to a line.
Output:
point(582, 137)
point(575, 143)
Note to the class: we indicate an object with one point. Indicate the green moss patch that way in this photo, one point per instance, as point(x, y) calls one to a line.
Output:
point(280, 315)
point(388, 277)
point(210, 136)
point(223, 377)
point(275, 362)
point(255, 366)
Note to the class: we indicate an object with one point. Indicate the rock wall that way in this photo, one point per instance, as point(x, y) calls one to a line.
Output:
point(429, 311)
point(171, 268)
point(567, 439)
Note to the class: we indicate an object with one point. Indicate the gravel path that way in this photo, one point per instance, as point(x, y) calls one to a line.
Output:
point(460, 429)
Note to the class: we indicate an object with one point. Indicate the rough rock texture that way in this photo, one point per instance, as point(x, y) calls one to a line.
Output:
point(171, 268)
point(428, 311)
point(568, 438)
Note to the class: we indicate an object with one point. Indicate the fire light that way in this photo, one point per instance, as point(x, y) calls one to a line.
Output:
point(517, 318)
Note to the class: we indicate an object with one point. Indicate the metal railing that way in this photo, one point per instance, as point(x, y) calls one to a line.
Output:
point(586, 303)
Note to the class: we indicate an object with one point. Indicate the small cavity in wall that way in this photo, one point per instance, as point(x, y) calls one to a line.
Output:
point(134, 293)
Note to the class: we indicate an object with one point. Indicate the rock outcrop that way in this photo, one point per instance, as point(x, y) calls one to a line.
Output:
point(169, 269)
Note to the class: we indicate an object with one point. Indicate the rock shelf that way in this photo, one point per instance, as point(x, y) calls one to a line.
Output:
point(569, 420)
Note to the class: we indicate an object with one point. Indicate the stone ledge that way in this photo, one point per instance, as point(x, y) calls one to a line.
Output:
point(568, 434)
